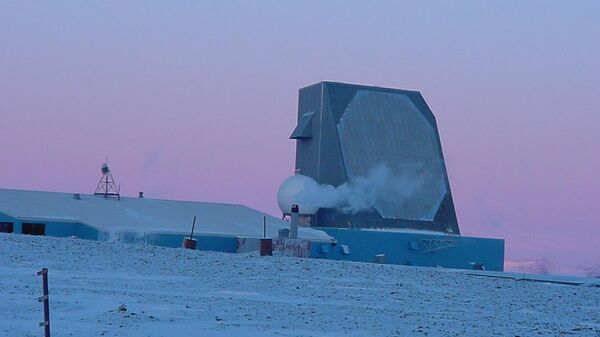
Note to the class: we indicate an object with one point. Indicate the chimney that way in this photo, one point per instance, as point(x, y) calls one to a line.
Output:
point(295, 222)
point(141, 195)
point(77, 196)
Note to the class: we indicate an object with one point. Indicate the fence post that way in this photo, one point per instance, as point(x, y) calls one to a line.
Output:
point(44, 299)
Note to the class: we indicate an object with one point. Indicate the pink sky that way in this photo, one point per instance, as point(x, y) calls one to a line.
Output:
point(196, 101)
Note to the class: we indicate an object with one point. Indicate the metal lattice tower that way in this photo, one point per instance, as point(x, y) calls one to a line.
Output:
point(107, 186)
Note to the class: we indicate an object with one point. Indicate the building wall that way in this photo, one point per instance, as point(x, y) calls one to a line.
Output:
point(363, 245)
point(15, 222)
point(412, 249)
point(57, 228)
point(83, 231)
point(224, 244)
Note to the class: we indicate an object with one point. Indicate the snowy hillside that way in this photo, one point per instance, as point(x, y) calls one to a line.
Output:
point(173, 292)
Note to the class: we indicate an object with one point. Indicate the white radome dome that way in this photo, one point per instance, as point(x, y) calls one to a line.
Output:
point(297, 190)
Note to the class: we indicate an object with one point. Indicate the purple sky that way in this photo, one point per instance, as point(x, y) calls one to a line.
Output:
point(196, 101)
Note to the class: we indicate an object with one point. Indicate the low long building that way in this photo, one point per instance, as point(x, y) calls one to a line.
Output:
point(221, 227)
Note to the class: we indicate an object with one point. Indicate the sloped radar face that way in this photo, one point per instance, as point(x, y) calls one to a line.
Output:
point(380, 128)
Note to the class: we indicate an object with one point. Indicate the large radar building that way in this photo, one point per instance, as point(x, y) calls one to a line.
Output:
point(344, 131)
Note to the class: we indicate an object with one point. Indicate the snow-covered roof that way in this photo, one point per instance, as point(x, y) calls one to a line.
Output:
point(144, 214)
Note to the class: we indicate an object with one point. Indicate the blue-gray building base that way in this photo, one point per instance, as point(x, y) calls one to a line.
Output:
point(405, 248)
point(415, 249)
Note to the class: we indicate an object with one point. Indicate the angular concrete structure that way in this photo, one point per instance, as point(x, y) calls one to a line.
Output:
point(344, 131)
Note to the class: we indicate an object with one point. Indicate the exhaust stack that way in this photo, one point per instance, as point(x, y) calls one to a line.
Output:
point(295, 222)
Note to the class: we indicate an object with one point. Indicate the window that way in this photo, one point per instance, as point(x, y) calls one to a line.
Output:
point(33, 228)
point(6, 227)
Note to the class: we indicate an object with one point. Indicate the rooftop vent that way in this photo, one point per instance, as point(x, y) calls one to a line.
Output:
point(141, 195)
point(77, 196)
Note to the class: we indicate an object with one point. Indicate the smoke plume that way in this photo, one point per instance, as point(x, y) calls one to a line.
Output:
point(378, 187)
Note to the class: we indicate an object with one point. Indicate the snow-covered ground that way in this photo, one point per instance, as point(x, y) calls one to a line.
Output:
point(176, 292)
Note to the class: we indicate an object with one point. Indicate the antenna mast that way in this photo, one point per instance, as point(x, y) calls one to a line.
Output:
point(107, 186)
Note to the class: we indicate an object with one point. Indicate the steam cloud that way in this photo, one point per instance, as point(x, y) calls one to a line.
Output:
point(541, 266)
point(378, 187)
